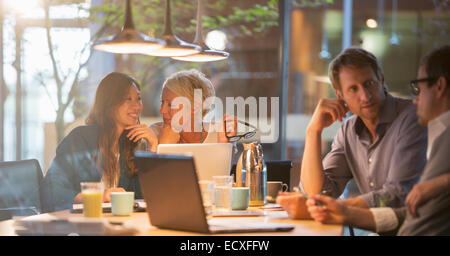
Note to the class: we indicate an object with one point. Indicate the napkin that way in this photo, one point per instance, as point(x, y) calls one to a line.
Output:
point(46, 224)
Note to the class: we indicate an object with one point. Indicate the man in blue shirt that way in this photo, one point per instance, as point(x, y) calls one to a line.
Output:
point(382, 147)
point(428, 203)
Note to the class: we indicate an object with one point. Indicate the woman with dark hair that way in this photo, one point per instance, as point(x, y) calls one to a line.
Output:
point(102, 150)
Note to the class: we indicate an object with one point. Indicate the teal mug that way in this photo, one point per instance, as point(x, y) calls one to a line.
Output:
point(122, 203)
point(240, 197)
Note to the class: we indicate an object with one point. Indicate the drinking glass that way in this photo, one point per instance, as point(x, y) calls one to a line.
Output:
point(92, 194)
point(207, 189)
point(222, 192)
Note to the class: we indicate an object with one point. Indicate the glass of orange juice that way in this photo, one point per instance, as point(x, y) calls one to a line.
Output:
point(92, 193)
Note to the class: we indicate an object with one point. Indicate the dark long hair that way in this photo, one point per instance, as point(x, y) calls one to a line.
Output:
point(110, 94)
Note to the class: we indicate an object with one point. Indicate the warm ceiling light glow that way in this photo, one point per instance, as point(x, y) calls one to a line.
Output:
point(170, 52)
point(371, 23)
point(174, 47)
point(216, 39)
point(204, 56)
point(126, 47)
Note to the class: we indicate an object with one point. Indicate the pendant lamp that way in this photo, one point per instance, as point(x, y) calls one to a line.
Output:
point(173, 45)
point(128, 40)
point(206, 54)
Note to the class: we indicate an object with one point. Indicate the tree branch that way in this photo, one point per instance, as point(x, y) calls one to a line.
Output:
point(87, 46)
point(52, 56)
point(41, 81)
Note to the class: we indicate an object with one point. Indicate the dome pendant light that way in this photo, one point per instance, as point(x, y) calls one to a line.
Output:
point(128, 40)
point(207, 54)
point(173, 45)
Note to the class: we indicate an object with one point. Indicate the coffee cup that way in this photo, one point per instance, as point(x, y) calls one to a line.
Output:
point(273, 188)
point(240, 197)
point(122, 203)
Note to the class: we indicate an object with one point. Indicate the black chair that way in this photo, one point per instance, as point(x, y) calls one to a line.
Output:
point(277, 170)
point(20, 192)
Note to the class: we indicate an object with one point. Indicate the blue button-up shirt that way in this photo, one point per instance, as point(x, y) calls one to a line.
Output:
point(386, 169)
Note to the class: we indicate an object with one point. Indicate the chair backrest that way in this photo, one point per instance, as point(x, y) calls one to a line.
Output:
point(20, 192)
point(277, 170)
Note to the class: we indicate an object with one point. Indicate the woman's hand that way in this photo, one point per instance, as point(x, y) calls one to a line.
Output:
point(78, 199)
point(141, 131)
point(228, 127)
point(106, 195)
point(169, 135)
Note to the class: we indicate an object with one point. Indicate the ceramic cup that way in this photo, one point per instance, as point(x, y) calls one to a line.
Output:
point(273, 188)
point(240, 197)
point(122, 203)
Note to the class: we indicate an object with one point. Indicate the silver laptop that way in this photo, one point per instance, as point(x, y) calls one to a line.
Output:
point(211, 159)
point(170, 188)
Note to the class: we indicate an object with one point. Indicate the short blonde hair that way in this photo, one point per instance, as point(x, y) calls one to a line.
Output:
point(183, 83)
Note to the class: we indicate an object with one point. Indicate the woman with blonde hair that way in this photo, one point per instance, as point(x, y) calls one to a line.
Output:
point(102, 150)
point(184, 105)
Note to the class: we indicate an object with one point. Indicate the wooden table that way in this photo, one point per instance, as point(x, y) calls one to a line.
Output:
point(141, 221)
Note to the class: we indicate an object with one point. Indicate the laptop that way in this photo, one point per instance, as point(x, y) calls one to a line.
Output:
point(211, 159)
point(170, 188)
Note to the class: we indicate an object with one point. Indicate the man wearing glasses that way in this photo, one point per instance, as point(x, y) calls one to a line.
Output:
point(381, 146)
point(428, 203)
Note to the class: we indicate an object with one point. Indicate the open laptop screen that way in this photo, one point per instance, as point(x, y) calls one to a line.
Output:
point(218, 160)
point(167, 183)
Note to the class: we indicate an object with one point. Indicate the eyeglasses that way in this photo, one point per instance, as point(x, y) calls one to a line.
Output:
point(414, 84)
point(246, 135)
